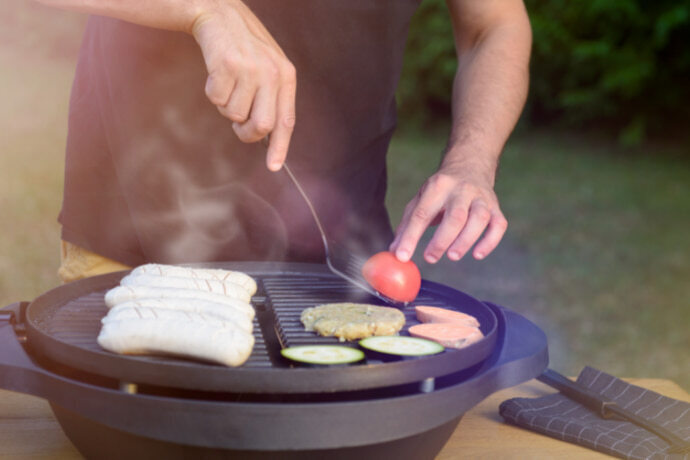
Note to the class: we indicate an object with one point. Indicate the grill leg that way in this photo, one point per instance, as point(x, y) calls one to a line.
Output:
point(427, 385)
point(129, 388)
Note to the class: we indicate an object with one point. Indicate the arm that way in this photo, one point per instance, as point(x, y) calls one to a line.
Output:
point(493, 40)
point(250, 79)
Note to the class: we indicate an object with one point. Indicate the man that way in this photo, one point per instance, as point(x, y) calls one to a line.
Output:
point(155, 173)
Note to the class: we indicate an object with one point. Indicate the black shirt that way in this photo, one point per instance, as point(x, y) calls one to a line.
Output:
point(155, 173)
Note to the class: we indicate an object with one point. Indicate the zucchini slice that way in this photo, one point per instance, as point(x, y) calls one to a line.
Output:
point(401, 345)
point(323, 354)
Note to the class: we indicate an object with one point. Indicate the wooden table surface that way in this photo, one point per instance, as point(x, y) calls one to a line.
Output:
point(28, 429)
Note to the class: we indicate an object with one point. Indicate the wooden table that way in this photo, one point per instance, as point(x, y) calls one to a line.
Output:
point(28, 429)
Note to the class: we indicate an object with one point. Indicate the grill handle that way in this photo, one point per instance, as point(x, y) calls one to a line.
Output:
point(14, 313)
point(18, 372)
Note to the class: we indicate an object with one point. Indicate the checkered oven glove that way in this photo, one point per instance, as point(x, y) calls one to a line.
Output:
point(561, 418)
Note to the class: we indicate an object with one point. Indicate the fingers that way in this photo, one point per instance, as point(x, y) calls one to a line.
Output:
point(285, 122)
point(240, 101)
point(477, 220)
point(262, 118)
point(417, 217)
point(272, 112)
point(401, 230)
point(467, 211)
point(219, 85)
point(494, 233)
point(251, 81)
point(454, 220)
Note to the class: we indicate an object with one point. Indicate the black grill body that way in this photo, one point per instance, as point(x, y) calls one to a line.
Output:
point(372, 416)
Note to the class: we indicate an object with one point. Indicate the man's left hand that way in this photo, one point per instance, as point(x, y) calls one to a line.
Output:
point(462, 202)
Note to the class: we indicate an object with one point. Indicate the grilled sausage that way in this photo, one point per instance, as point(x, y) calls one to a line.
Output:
point(237, 277)
point(120, 294)
point(201, 339)
point(225, 288)
point(150, 309)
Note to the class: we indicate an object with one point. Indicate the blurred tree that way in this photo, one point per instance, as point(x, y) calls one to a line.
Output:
point(429, 67)
point(621, 64)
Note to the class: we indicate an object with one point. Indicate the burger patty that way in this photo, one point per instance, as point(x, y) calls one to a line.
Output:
point(351, 321)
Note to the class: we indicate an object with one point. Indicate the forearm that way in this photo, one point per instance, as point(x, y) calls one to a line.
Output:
point(489, 94)
point(179, 15)
point(493, 41)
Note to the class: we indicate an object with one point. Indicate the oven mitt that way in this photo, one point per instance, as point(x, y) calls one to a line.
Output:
point(561, 418)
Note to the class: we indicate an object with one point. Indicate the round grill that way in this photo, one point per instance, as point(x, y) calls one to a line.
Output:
point(63, 325)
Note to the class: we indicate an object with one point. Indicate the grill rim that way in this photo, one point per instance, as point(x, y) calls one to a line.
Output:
point(199, 376)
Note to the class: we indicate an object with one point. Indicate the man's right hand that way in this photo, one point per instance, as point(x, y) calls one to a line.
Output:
point(250, 79)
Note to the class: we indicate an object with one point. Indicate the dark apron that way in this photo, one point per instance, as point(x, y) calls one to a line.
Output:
point(155, 173)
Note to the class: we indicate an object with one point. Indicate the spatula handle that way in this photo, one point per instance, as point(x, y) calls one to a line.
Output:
point(609, 409)
point(577, 392)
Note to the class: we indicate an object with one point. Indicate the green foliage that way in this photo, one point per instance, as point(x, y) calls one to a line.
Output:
point(622, 65)
point(429, 67)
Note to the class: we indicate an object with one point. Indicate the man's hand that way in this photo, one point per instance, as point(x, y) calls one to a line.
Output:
point(461, 201)
point(250, 79)
point(492, 39)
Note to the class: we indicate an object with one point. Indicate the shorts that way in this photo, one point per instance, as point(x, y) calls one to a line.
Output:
point(77, 263)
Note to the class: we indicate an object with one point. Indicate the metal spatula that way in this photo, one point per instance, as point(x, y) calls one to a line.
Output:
point(339, 259)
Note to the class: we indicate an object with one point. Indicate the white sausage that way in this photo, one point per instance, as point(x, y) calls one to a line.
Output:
point(227, 345)
point(134, 310)
point(120, 294)
point(226, 288)
point(220, 310)
point(236, 277)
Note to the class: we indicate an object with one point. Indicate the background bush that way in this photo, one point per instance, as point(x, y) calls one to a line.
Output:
point(622, 65)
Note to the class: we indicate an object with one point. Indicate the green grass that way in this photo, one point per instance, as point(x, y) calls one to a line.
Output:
point(37, 56)
point(606, 234)
point(610, 234)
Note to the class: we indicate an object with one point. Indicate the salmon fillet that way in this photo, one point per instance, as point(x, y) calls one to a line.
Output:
point(450, 335)
point(427, 314)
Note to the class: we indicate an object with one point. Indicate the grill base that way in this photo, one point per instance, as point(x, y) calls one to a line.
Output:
point(97, 441)
point(101, 421)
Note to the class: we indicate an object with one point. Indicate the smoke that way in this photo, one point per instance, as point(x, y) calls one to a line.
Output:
point(196, 204)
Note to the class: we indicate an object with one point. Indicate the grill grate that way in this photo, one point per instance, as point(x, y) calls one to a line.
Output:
point(289, 297)
point(64, 324)
point(78, 323)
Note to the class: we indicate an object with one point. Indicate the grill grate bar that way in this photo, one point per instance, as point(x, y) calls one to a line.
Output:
point(281, 300)
point(289, 297)
point(78, 323)
point(65, 328)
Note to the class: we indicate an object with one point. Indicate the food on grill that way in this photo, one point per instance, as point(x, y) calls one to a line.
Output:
point(401, 345)
point(323, 354)
point(237, 277)
point(122, 294)
point(222, 310)
point(351, 321)
point(152, 312)
point(450, 335)
point(224, 315)
point(427, 314)
point(398, 280)
point(226, 288)
point(201, 339)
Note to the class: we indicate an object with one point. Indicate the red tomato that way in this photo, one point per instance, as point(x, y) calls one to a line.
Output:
point(398, 280)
